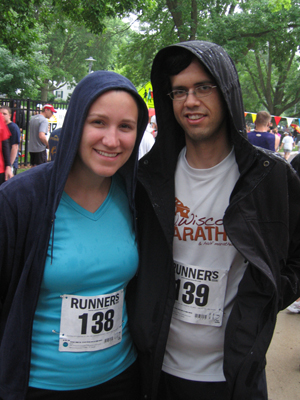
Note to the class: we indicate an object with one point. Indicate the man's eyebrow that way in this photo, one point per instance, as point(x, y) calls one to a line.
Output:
point(179, 87)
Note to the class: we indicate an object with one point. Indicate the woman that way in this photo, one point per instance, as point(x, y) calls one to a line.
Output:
point(69, 251)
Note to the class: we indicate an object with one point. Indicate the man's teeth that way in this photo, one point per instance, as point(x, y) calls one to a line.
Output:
point(102, 153)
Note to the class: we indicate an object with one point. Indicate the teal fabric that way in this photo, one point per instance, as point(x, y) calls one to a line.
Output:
point(93, 254)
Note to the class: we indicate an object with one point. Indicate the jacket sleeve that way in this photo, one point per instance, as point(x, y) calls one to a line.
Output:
point(6, 253)
point(290, 272)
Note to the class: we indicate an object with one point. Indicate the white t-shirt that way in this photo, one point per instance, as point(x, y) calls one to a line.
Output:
point(208, 270)
point(288, 143)
point(147, 142)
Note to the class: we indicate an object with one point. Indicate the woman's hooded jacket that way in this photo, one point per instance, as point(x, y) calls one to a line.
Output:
point(28, 203)
point(262, 221)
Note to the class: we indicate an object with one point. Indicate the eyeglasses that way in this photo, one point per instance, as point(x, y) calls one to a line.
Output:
point(199, 91)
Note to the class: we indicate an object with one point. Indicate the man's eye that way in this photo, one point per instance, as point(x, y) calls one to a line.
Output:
point(178, 92)
point(203, 89)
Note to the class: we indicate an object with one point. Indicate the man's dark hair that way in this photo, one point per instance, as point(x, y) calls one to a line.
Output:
point(175, 62)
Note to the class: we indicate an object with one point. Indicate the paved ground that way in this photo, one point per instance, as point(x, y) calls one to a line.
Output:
point(283, 359)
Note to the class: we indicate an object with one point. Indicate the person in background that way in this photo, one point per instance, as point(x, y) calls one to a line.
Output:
point(53, 142)
point(277, 138)
point(38, 130)
point(287, 144)
point(154, 126)
point(261, 136)
point(5, 166)
point(213, 274)
point(18, 114)
point(14, 139)
point(148, 140)
point(65, 264)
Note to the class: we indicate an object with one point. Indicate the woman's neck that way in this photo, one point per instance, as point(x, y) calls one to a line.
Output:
point(88, 194)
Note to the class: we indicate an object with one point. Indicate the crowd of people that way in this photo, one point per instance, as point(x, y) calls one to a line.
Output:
point(267, 137)
point(143, 261)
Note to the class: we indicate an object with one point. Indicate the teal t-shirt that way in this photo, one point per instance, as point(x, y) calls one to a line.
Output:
point(94, 257)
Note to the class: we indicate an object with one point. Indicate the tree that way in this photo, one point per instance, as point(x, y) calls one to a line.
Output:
point(266, 54)
point(20, 19)
point(17, 74)
point(261, 36)
point(67, 48)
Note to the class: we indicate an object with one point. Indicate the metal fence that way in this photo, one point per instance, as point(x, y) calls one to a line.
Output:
point(22, 111)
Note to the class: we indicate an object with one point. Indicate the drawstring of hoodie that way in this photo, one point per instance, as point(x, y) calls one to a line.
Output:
point(52, 238)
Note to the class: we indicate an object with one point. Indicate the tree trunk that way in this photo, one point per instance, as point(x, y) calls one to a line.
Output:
point(44, 93)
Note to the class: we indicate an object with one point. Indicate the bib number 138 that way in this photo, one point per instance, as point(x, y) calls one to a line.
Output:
point(102, 321)
point(189, 293)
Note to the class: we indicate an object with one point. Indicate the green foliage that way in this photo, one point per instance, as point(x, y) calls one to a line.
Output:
point(59, 40)
point(20, 19)
point(262, 37)
point(18, 74)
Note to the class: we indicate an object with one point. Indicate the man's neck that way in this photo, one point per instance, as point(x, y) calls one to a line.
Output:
point(261, 129)
point(204, 155)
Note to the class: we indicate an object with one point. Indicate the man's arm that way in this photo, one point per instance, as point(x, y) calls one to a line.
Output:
point(43, 138)
point(277, 142)
point(13, 152)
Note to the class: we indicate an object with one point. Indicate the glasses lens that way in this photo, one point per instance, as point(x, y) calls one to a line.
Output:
point(178, 94)
point(202, 91)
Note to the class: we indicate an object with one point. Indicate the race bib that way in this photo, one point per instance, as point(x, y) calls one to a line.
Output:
point(200, 294)
point(90, 323)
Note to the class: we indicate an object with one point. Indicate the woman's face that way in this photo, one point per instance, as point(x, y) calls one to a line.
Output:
point(109, 134)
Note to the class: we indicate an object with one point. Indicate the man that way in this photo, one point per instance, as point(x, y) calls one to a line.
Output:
point(5, 166)
point(38, 129)
point(14, 139)
point(53, 142)
point(261, 136)
point(18, 114)
point(215, 272)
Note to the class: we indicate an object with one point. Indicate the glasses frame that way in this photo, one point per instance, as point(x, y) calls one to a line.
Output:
point(187, 92)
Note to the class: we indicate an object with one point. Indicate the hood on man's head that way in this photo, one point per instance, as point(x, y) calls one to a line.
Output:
point(217, 63)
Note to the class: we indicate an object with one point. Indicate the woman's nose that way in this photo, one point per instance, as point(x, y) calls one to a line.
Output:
point(110, 138)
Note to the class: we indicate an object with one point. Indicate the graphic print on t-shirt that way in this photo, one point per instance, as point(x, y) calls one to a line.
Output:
point(204, 230)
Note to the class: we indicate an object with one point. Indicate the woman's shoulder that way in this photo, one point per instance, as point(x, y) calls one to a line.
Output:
point(34, 180)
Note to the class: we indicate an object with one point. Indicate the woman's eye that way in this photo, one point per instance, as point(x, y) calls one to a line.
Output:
point(126, 126)
point(97, 122)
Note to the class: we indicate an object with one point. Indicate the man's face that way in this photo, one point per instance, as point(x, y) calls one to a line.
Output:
point(203, 119)
point(6, 115)
point(48, 113)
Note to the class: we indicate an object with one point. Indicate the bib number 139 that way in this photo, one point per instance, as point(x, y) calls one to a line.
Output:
point(189, 293)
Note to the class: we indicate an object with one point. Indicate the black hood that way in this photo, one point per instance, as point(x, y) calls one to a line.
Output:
point(221, 67)
point(85, 93)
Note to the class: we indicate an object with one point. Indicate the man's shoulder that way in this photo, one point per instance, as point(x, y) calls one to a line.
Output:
point(13, 127)
point(38, 117)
